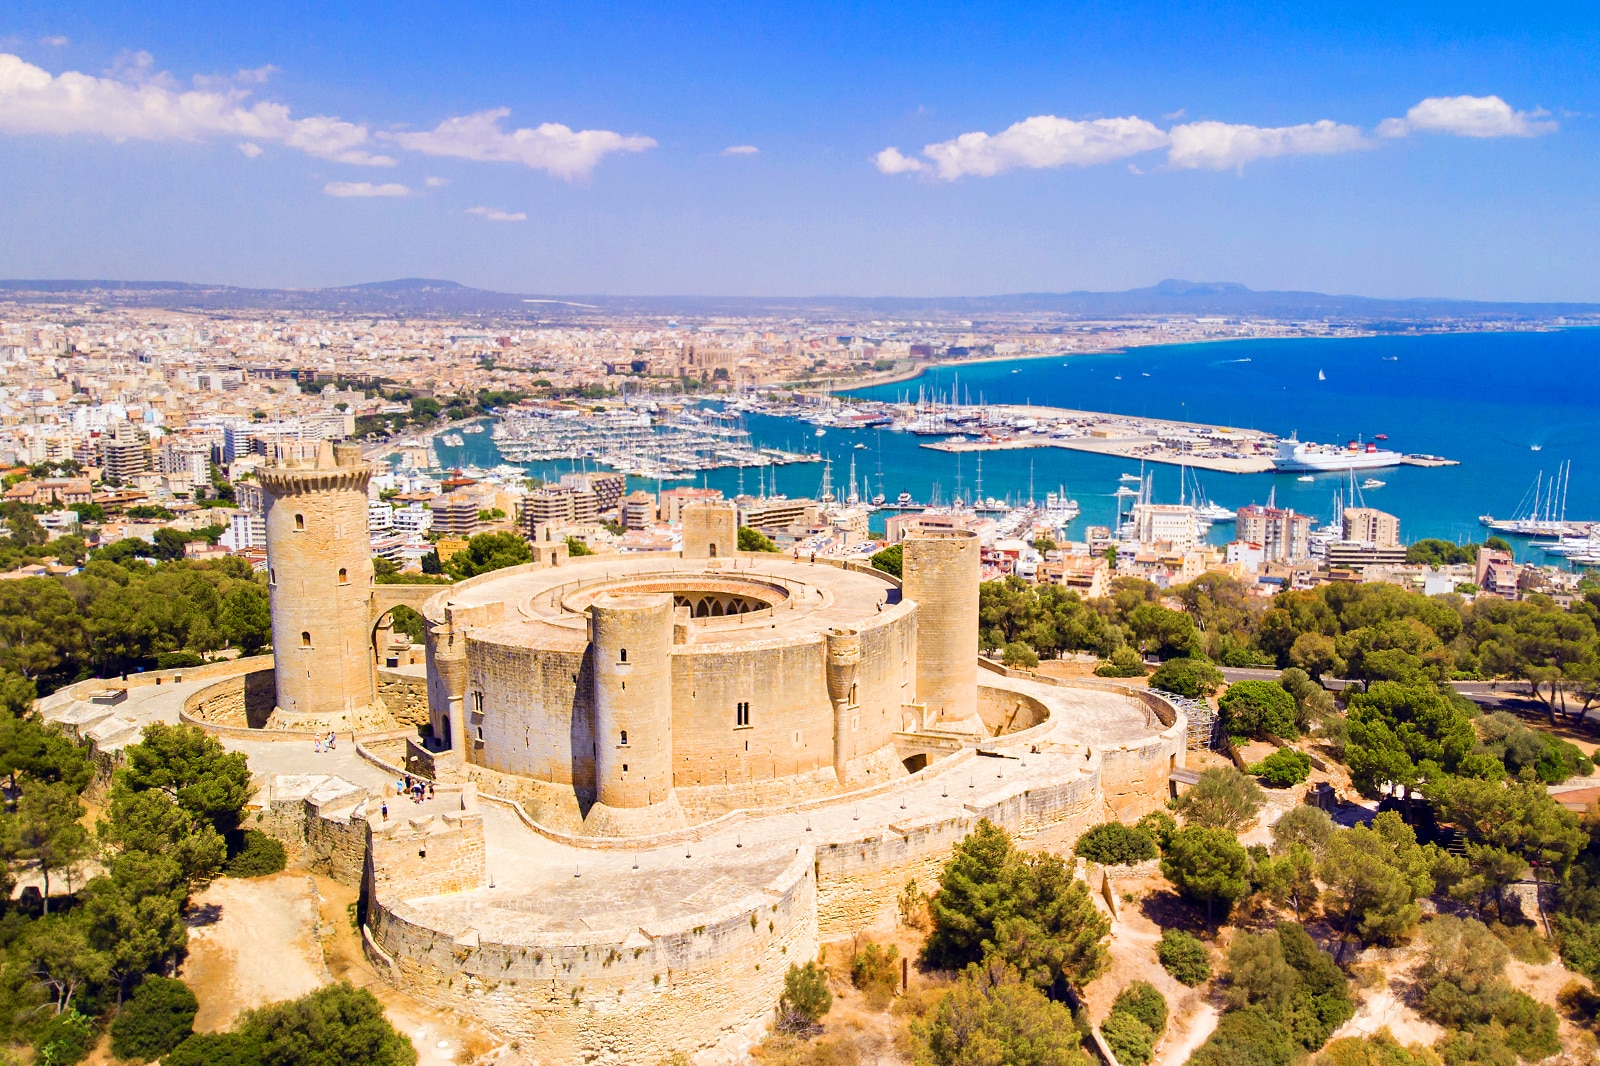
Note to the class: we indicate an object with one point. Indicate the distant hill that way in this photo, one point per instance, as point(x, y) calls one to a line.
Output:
point(426, 296)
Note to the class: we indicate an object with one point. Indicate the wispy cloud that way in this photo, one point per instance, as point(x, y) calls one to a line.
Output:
point(136, 102)
point(556, 149)
point(436, 183)
point(251, 150)
point(741, 149)
point(365, 188)
point(495, 214)
point(1222, 145)
point(1469, 116)
point(55, 42)
point(1047, 141)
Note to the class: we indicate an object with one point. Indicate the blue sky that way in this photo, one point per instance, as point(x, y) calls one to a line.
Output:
point(918, 149)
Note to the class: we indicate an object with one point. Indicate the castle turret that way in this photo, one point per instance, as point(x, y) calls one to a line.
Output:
point(319, 572)
point(844, 657)
point(630, 640)
point(710, 530)
point(940, 572)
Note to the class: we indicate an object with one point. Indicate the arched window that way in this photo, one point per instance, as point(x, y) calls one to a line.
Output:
point(624, 736)
point(305, 639)
point(713, 549)
point(622, 655)
point(344, 576)
point(299, 521)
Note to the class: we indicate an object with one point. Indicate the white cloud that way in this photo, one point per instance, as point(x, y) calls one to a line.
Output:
point(1468, 116)
point(494, 214)
point(1221, 145)
point(741, 149)
point(137, 102)
point(55, 42)
point(1037, 142)
point(436, 183)
point(556, 149)
point(893, 161)
point(250, 149)
point(365, 188)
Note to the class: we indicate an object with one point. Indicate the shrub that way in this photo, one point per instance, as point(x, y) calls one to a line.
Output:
point(1379, 1049)
point(1284, 768)
point(1160, 825)
point(888, 560)
point(1246, 1037)
point(1124, 662)
point(1223, 798)
point(1257, 708)
point(1185, 957)
point(912, 903)
point(1195, 678)
point(805, 995)
point(171, 660)
point(1131, 1040)
point(157, 1018)
point(1019, 654)
point(1144, 1001)
point(1115, 844)
point(215, 1049)
point(63, 1039)
point(259, 856)
point(875, 970)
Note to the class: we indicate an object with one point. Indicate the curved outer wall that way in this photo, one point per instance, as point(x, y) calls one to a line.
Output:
point(940, 572)
point(316, 526)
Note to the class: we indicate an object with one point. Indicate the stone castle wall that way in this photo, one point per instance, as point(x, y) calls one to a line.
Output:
point(615, 996)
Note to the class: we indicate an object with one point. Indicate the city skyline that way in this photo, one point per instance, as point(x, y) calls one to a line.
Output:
point(954, 151)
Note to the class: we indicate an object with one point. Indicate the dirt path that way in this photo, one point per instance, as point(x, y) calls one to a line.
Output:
point(252, 942)
point(1134, 938)
point(1384, 1009)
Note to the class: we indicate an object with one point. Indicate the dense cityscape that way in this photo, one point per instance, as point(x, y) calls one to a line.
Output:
point(832, 535)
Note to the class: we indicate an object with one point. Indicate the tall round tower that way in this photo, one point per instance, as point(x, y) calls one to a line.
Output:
point(319, 571)
point(939, 570)
point(630, 642)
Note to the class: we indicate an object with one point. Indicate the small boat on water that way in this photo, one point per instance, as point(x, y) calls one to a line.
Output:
point(1321, 376)
point(1380, 436)
point(904, 499)
point(822, 433)
point(1305, 477)
point(1373, 483)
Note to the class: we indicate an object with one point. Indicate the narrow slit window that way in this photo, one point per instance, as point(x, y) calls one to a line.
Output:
point(741, 715)
point(624, 737)
point(299, 521)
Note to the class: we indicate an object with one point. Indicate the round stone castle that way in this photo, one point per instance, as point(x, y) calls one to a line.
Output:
point(660, 779)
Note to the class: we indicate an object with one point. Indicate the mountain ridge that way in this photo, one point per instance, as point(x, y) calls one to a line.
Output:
point(442, 296)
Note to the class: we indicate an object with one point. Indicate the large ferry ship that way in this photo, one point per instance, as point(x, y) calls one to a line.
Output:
point(1297, 456)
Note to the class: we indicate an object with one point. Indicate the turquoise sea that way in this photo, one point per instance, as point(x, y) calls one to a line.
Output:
point(1507, 405)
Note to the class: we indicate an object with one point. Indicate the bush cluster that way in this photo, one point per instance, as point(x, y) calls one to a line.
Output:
point(260, 855)
point(1284, 768)
point(1138, 1018)
point(1115, 844)
point(1185, 957)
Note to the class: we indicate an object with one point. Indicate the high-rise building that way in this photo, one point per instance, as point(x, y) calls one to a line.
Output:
point(1284, 536)
point(1371, 526)
point(124, 453)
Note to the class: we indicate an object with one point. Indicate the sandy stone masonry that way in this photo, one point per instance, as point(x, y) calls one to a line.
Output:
point(658, 780)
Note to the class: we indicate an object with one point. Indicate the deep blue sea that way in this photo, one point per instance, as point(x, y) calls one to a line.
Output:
point(1487, 399)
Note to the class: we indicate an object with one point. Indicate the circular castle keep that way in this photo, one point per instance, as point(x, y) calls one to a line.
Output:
point(662, 779)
